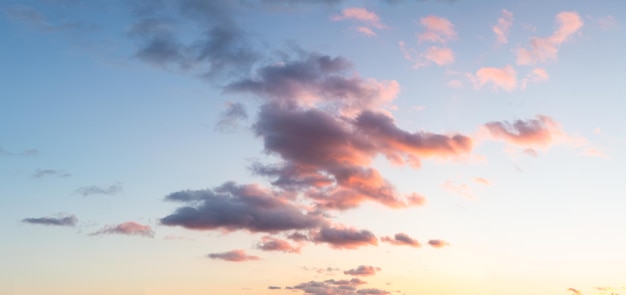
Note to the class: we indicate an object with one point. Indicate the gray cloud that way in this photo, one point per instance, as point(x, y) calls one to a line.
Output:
point(41, 173)
point(24, 153)
point(70, 220)
point(233, 256)
point(362, 270)
point(231, 117)
point(344, 238)
point(99, 190)
point(336, 287)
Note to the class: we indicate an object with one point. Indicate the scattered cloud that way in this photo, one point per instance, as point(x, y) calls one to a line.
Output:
point(126, 228)
point(41, 173)
point(359, 14)
point(501, 29)
point(439, 55)
point(274, 288)
point(339, 237)
point(436, 29)
point(481, 180)
point(274, 244)
point(535, 76)
point(459, 188)
point(499, 78)
point(438, 243)
point(24, 153)
point(339, 287)
point(362, 270)
point(365, 31)
point(70, 220)
point(233, 256)
point(546, 49)
point(99, 190)
point(231, 117)
point(540, 132)
point(402, 239)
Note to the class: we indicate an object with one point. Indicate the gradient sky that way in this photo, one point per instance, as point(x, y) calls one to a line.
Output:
point(312, 147)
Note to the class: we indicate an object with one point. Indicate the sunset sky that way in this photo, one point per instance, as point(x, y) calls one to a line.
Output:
point(305, 147)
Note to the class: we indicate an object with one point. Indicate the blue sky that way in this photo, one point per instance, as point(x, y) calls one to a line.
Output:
point(177, 146)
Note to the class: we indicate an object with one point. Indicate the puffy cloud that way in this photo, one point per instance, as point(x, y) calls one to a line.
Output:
point(546, 49)
point(238, 207)
point(99, 190)
point(70, 220)
point(321, 80)
point(402, 239)
point(360, 14)
point(539, 132)
point(500, 78)
point(339, 237)
point(439, 55)
point(501, 29)
point(436, 29)
point(438, 243)
point(41, 173)
point(362, 270)
point(233, 256)
point(334, 287)
point(274, 244)
point(126, 228)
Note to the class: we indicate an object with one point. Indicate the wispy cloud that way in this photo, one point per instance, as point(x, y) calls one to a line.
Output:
point(231, 117)
point(24, 153)
point(369, 18)
point(99, 190)
point(501, 29)
point(41, 173)
point(340, 237)
point(70, 220)
point(547, 48)
point(233, 256)
point(126, 228)
point(402, 239)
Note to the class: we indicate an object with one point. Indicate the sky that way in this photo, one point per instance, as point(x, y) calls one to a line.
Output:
point(331, 147)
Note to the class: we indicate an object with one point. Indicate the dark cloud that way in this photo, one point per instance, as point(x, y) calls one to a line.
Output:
point(362, 270)
point(99, 190)
point(298, 237)
point(24, 153)
point(230, 119)
point(274, 244)
point(336, 287)
point(41, 173)
point(401, 239)
point(158, 44)
point(238, 207)
point(126, 228)
point(234, 256)
point(274, 288)
point(344, 238)
point(58, 221)
point(438, 243)
point(372, 291)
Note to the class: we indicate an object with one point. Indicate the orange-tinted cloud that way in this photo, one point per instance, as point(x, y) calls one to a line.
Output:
point(126, 228)
point(274, 244)
point(574, 291)
point(436, 29)
point(340, 237)
point(501, 29)
point(499, 78)
point(482, 181)
point(402, 239)
point(362, 270)
point(546, 49)
point(233, 256)
point(336, 287)
point(438, 243)
point(539, 132)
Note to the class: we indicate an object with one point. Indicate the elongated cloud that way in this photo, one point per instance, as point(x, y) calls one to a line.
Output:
point(42, 173)
point(438, 243)
point(539, 132)
point(501, 29)
point(359, 14)
point(345, 238)
point(238, 207)
point(274, 244)
point(574, 291)
point(126, 228)
point(233, 256)
point(55, 221)
point(499, 78)
point(99, 190)
point(436, 29)
point(24, 153)
point(546, 49)
point(402, 239)
point(336, 287)
point(362, 270)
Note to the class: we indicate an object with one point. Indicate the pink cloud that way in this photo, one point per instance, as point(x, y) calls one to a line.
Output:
point(437, 29)
point(500, 78)
point(359, 14)
point(546, 49)
point(501, 29)
point(459, 188)
point(439, 55)
point(539, 132)
point(273, 244)
point(233, 256)
point(362, 270)
point(340, 237)
point(365, 31)
point(535, 76)
point(438, 243)
point(127, 228)
point(482, 181)
point(455, 84)
point(402, 239)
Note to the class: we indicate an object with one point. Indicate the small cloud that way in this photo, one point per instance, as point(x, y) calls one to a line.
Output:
point(535, 76)
point(126, 228)
point(439, 55)
point(339, 237)
point(574, 291)
point(402, 239)
point(41, 173)
point(365, 31)
point(482, 181)
point(501, 29)
point(362, 270)
point(500, 78)
point(359, 14)
point(459, 188)
point(24, 153)
point(231, 117)
point(99, 190)
point(438, 243)
point(436, 29)
point(546, 49)
point(273, 244)
point(455, 84)
point(273, 288)
point(233, 256)
point(70, 220)
point(607, 22)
